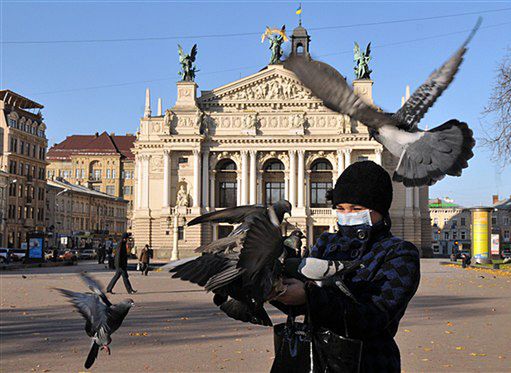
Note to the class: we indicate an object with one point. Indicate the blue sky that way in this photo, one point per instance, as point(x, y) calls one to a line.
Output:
point(96, 86)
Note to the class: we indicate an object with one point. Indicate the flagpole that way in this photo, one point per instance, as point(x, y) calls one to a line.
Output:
point(300, 16)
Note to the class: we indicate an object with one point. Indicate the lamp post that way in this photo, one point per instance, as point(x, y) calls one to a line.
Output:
point(175, 241)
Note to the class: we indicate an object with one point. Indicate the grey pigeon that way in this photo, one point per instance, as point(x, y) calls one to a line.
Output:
point(102, 318)
point(243, 270)
point(424, 156)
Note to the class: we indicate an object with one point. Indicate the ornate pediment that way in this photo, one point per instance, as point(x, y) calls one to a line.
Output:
point(270, 86)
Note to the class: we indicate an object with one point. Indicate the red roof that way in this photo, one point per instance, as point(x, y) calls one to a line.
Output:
point(98, 144)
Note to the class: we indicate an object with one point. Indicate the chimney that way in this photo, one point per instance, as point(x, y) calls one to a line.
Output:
point(112, 133)
point(495, 198)
point(147, 109)
point(96, 134)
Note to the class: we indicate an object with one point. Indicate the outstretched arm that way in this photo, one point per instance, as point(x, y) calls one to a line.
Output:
point(385, 297)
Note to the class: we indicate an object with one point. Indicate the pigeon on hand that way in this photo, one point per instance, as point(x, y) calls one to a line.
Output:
point(424, 156)
point(102, 318)
point(244, 269)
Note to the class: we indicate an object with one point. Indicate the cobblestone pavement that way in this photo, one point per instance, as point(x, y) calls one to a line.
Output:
point(459, 321)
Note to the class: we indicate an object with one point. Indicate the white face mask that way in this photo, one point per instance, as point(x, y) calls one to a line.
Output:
point(354, 218)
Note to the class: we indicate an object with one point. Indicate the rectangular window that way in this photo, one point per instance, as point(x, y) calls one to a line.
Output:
point(77, 173)
point(446, 235)
point(227, 194)
point(362, 158)
point(114, 174)
point(274, 192)
point(463, 235)
point(127, 190)
point(182, 160)
point(318, 193)
point(180, 233)
point(494, 220)
point(506, 235)
point(108, 174)
point(110, 189)
point(454, 235)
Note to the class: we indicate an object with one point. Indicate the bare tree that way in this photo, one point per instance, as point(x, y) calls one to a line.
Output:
point(498, 135)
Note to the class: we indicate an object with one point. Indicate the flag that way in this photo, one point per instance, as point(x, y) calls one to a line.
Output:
point(299, 10)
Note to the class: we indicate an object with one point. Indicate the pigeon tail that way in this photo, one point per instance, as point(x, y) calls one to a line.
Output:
point(93, 354)
point(444, 150)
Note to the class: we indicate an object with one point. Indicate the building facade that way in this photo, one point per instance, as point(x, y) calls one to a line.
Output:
point(501, 221)
point(104, 162)
point(253, 141)
point(76, 212)
point(450, 226)
point(4, 206)
point(23, 157)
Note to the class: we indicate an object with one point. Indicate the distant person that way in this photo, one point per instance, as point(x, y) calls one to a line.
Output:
point(144, 258)
point(101, 252)
point(121, 266)
point(465, 260)
point(55, 254)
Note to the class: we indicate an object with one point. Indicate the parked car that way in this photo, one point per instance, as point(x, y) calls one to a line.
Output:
point(506, 253)
point(18, 254)
point(3, 254)
point(69, 256)
point(87, 254)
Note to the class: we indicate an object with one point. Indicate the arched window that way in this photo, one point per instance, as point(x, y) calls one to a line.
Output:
point(226, 184)
point(320, 182)
point(299, 48)
point(273, 181)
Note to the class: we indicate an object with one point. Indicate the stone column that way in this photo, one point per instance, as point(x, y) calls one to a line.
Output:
point(253, 176)
point(212, 196)
point(408, 197)
point(138, 185)
point(238, 188)
point(244, 177)
point(347, 157)
point(286, 185)
point(205, 179)
point(196, 178)
point(378, 160)
point(261, 187)
point(340, 162)
point(292, 177)
point(166, 179)
point(145, 182)
point(301, 177)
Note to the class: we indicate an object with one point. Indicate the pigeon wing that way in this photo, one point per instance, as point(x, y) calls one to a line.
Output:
point(233, 215)
point(261, 247)
point(414, 109)
point(95, 287)
point(90, 307)
point(329, 85)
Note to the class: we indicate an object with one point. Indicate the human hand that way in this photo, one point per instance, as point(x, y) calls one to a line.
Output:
point(294, 295)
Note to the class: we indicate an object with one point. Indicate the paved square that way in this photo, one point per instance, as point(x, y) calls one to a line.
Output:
point(459, 321)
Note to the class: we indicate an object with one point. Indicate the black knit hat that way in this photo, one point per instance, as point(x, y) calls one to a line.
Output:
point(364, 183)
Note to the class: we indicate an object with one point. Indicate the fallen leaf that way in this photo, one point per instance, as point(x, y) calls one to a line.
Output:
point(448, 332)
point(183, 318)
point(449, 323)
point(459, 348)
point(407, 331)
point(425, 359)
point(427, 348)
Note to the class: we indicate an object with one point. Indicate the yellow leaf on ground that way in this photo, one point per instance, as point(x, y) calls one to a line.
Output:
point(448, 332)
point(459, 348)
point(449, 323)
point(425, 359)
point(407, 331)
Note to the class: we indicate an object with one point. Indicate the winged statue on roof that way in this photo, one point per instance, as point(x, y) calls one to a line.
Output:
point(276, 37)
point(187, 61)
point(362, 59)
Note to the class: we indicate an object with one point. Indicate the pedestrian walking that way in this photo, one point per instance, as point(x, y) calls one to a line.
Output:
point(121, 266)
point(101, 252)
point(381, 287)
point(144, 259)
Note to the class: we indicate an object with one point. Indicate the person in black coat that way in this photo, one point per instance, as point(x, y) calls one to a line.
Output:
point(381, 287)
point(121, 266)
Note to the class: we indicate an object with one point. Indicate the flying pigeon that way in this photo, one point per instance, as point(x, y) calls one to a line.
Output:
point(102, 318)
point(424, 156)
point(244, 269)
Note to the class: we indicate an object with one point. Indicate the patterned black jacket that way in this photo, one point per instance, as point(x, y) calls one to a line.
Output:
point(383, 287)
